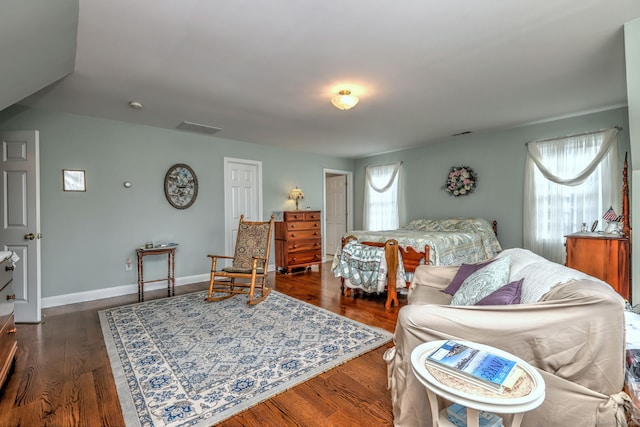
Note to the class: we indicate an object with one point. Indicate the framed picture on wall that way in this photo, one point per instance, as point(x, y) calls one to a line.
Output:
point(73, 180)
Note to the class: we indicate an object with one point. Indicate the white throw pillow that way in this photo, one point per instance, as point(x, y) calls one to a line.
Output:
point(483, 282)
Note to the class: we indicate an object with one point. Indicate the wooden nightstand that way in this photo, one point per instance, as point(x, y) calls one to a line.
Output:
point(298, 239)
point(606, 257)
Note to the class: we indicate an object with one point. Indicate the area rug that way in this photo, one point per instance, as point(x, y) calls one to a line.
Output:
point(182, 361)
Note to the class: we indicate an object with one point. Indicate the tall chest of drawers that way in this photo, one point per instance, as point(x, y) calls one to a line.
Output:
point(298, 239)
point(606, 257)
point(8, 343)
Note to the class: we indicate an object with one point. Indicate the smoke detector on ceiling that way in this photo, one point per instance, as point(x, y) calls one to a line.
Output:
point(136, 105)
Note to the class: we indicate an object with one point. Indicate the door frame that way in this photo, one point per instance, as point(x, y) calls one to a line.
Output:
point(349, 214)
point(228, 215)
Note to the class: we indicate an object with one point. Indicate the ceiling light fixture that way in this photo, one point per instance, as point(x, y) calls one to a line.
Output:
point(344, 100)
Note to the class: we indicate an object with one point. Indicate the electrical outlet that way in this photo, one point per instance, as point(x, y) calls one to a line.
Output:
point(128, 265)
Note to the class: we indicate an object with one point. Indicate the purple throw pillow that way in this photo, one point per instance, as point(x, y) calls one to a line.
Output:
point(508, 294)
point(464, 271)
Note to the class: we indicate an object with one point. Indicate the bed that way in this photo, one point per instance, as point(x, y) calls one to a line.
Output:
point(367, 258)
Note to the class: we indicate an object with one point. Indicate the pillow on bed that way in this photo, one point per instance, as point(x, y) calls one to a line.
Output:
point(482, 282)
point(508, 294)
point(465, 271)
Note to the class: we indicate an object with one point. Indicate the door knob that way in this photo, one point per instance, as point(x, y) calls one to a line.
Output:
point(30, 236)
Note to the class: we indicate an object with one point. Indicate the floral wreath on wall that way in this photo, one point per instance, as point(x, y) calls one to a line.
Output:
point(461, 181)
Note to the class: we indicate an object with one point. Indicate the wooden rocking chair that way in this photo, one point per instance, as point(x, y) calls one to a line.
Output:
point(253, 243)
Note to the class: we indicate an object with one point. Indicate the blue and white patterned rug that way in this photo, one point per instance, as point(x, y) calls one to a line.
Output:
point(182, 361)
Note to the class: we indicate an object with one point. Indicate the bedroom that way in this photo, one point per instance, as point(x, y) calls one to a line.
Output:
point(88, 237)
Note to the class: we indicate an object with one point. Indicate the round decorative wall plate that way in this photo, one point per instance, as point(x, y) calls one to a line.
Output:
point(180, 186)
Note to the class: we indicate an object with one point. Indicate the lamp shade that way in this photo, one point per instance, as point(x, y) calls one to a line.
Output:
point(296, 194)
point(344, 100)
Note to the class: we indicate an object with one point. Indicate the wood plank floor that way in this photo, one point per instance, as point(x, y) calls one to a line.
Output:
point(62, 375)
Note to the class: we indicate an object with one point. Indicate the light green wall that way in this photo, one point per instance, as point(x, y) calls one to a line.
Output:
point(498, 158)
point(88, 236)
point(632, 59)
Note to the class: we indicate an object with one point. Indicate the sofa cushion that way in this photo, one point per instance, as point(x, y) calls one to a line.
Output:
point(464, 271)
point(508, 294)
point(482, 282)
point(520, 258)
point(541, 274)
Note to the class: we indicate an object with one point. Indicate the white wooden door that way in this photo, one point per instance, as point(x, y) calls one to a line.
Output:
point(20, 206)
point(336, 211)
point(242, 195)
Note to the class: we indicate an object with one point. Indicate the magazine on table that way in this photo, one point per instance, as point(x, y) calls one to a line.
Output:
point(457, 415)
point(477, 366)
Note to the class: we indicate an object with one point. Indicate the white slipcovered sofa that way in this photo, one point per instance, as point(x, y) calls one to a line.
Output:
point(570, 326)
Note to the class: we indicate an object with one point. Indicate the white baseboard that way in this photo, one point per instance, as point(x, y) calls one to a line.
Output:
point(117, 291)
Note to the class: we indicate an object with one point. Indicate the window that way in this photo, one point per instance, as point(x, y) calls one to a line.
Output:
point(382, 197)
point(568, 181)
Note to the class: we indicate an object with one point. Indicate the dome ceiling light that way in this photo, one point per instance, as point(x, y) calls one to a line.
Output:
point(344, 100)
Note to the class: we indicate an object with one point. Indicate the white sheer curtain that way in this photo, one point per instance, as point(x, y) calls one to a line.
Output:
point(568, 181)
point(382, 197)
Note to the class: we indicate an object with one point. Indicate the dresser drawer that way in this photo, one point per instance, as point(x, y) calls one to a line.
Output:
point(6, 272)
point(7, 297)
point(304, 245)
point(302, 216)
point(296, 258)
point(303, 225)
point(303, 234)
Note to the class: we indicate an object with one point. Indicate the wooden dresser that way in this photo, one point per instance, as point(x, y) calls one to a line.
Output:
point(606, 257)
point(298, 239)
point(8, 343)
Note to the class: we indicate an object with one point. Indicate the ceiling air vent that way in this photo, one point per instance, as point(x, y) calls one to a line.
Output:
point(466, 132)
point(196, 127)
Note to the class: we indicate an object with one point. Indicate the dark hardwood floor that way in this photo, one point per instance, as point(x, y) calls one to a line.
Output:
point(62, 375)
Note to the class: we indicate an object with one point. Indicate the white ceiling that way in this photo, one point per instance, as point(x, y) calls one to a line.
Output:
point(264, 70)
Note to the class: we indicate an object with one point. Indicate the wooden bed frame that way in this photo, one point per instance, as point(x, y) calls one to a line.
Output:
point(411, 259)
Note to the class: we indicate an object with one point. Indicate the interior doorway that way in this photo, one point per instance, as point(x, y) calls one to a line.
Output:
point(242, 195)
point(338, 207)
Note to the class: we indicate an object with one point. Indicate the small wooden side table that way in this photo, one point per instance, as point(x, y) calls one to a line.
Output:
point(170, 251)
point(475, 403)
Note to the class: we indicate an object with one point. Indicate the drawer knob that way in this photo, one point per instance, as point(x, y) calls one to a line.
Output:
point(315, 234)
point(293, 234)
point(295, 246)
point(11, 331)
point(293, 259)
point(10, 268)
point(293, 226)
point(10, 297)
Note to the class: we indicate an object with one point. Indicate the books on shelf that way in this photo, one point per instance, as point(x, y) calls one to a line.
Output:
point(457, 415)
point(479, 367)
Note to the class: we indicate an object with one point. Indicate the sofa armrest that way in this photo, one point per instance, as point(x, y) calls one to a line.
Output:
point(428, 282)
